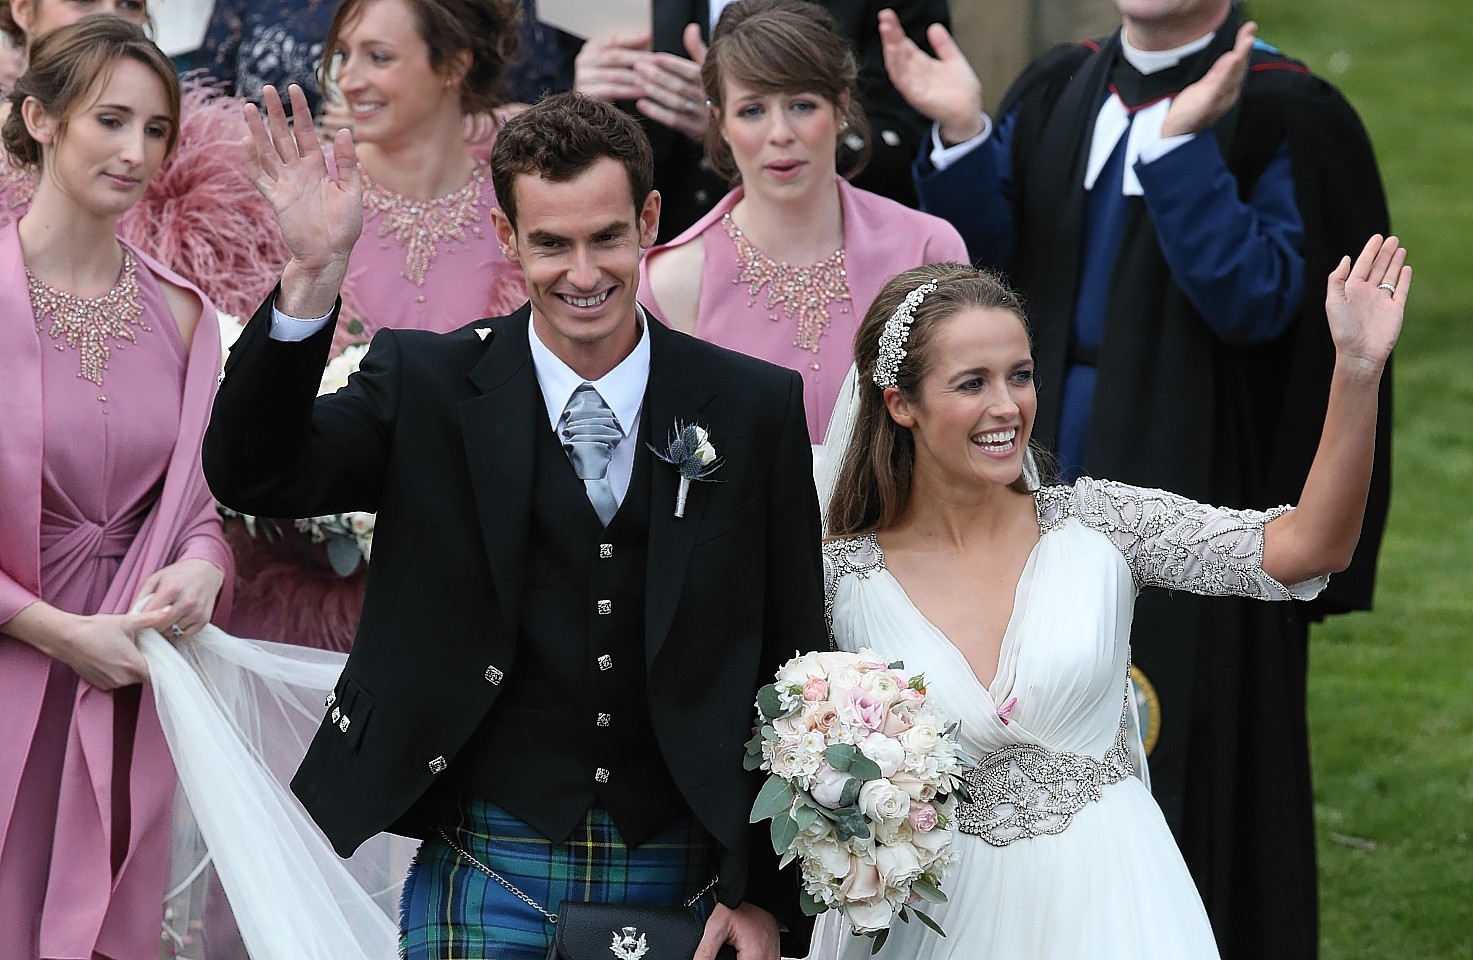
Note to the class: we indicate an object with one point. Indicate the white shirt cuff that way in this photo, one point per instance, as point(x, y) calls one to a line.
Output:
point(292, 329)
point(943, 156)
point(1150, 145)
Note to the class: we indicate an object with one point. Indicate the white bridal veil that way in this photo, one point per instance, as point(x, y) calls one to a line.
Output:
point(238, 715)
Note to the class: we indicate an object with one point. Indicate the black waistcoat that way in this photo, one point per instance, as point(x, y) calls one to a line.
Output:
point(571, 729)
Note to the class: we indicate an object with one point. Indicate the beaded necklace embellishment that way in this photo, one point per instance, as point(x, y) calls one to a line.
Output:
point(86, 324)
point(804, 293)
point(418, 225)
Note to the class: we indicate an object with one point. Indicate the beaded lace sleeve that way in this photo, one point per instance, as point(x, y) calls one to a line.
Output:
point(860, 556)
point(1173, 542)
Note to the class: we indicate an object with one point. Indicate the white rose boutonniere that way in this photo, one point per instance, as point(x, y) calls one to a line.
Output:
point(692, 454)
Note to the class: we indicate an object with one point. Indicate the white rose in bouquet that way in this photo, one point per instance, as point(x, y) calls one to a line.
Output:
point(887, 754)
point(898, 864)
point(881, 800)
point(883, 684)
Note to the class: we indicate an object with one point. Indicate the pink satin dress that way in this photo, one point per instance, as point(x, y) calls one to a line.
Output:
point(86, 784)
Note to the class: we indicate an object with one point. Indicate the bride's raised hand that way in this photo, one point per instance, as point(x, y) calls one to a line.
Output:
point(1365, 302)
point(319, 211)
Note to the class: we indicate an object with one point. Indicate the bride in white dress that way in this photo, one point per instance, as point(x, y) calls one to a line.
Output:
point(1016, 602)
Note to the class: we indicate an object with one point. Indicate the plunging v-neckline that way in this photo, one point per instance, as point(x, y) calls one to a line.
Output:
point(1020, 591)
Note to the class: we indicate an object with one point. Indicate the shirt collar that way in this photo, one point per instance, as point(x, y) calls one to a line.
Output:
point(1154, 61)
point(622, 388)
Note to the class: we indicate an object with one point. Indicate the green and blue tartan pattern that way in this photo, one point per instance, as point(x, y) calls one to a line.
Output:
point(452, 911)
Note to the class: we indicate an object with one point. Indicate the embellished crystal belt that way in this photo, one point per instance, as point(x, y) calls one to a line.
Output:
point(1025, 790)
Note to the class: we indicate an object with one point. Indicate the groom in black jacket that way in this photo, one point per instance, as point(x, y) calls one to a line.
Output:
point(553, 657)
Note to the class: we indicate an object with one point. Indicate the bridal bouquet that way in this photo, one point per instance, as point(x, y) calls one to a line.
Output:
point(865, 778)
point(346, 537)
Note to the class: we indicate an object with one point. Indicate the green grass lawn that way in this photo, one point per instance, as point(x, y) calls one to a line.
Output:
point(1391, 692)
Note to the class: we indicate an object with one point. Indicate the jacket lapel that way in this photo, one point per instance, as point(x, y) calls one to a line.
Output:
point(677, 393)
point(497, 428)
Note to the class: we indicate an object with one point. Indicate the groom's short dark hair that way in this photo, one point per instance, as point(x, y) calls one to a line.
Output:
point(562, 136)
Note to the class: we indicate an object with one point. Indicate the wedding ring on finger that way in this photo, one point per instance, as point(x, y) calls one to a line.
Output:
point(176, 631)
point(1388, 287)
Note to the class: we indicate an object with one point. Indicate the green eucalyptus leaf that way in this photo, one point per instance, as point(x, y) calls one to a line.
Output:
point(850, 796)
point(840, 755)
point(343, 555)
point(774, 799)
point(929, 922)
point(925, 887)
point(864, 768)
point(769, 703)
point(810, 905)
point(784, 832)
point(879, 942)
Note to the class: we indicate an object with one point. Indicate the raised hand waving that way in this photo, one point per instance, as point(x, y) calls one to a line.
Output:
point(1365, 301)
point(943, 88)
point(319, 211)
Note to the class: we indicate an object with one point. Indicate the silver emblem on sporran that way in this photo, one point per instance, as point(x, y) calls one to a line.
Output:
point(629, 945)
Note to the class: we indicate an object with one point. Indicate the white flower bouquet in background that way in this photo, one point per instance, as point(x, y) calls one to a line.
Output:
point(346, 537)
point(864, 781)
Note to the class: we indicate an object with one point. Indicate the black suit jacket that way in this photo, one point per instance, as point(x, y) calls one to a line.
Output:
point(435, 434)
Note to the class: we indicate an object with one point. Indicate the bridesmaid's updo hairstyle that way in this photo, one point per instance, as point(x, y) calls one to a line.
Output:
point(877, 468)
point(484, 30)
point(785, 47)
point(66, 63)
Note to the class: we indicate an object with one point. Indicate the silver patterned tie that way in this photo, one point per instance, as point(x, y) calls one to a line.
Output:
point(589, 432)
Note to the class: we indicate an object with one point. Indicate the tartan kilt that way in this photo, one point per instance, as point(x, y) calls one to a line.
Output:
point(452, 911)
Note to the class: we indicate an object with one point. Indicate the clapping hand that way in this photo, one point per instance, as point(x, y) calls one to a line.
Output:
point(943, 88)
point(604, 67)
point(1205, 102)
point(664, 87)
point(320, 212)
point(672, 87)
point(1365, 302)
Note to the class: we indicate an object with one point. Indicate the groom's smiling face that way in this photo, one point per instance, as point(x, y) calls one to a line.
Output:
point(578, 242)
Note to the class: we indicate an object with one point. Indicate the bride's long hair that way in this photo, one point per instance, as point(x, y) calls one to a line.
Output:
point(875, 473)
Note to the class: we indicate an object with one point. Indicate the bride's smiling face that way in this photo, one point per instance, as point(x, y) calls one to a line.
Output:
point(975, 407)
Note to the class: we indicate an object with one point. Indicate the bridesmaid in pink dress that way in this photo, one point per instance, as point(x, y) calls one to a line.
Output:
point(108, 362)
point(787, 263)
point(410, 72)
point(199, 215)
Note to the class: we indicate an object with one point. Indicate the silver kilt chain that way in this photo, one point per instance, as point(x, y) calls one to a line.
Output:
point(516, 892)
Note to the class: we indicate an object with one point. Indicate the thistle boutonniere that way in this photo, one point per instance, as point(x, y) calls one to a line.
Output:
point(690, 452)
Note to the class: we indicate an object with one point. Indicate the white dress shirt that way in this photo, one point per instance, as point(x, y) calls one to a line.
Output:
point(622, 388)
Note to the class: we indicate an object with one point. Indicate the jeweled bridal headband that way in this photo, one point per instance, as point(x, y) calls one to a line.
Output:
point(896, 332)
